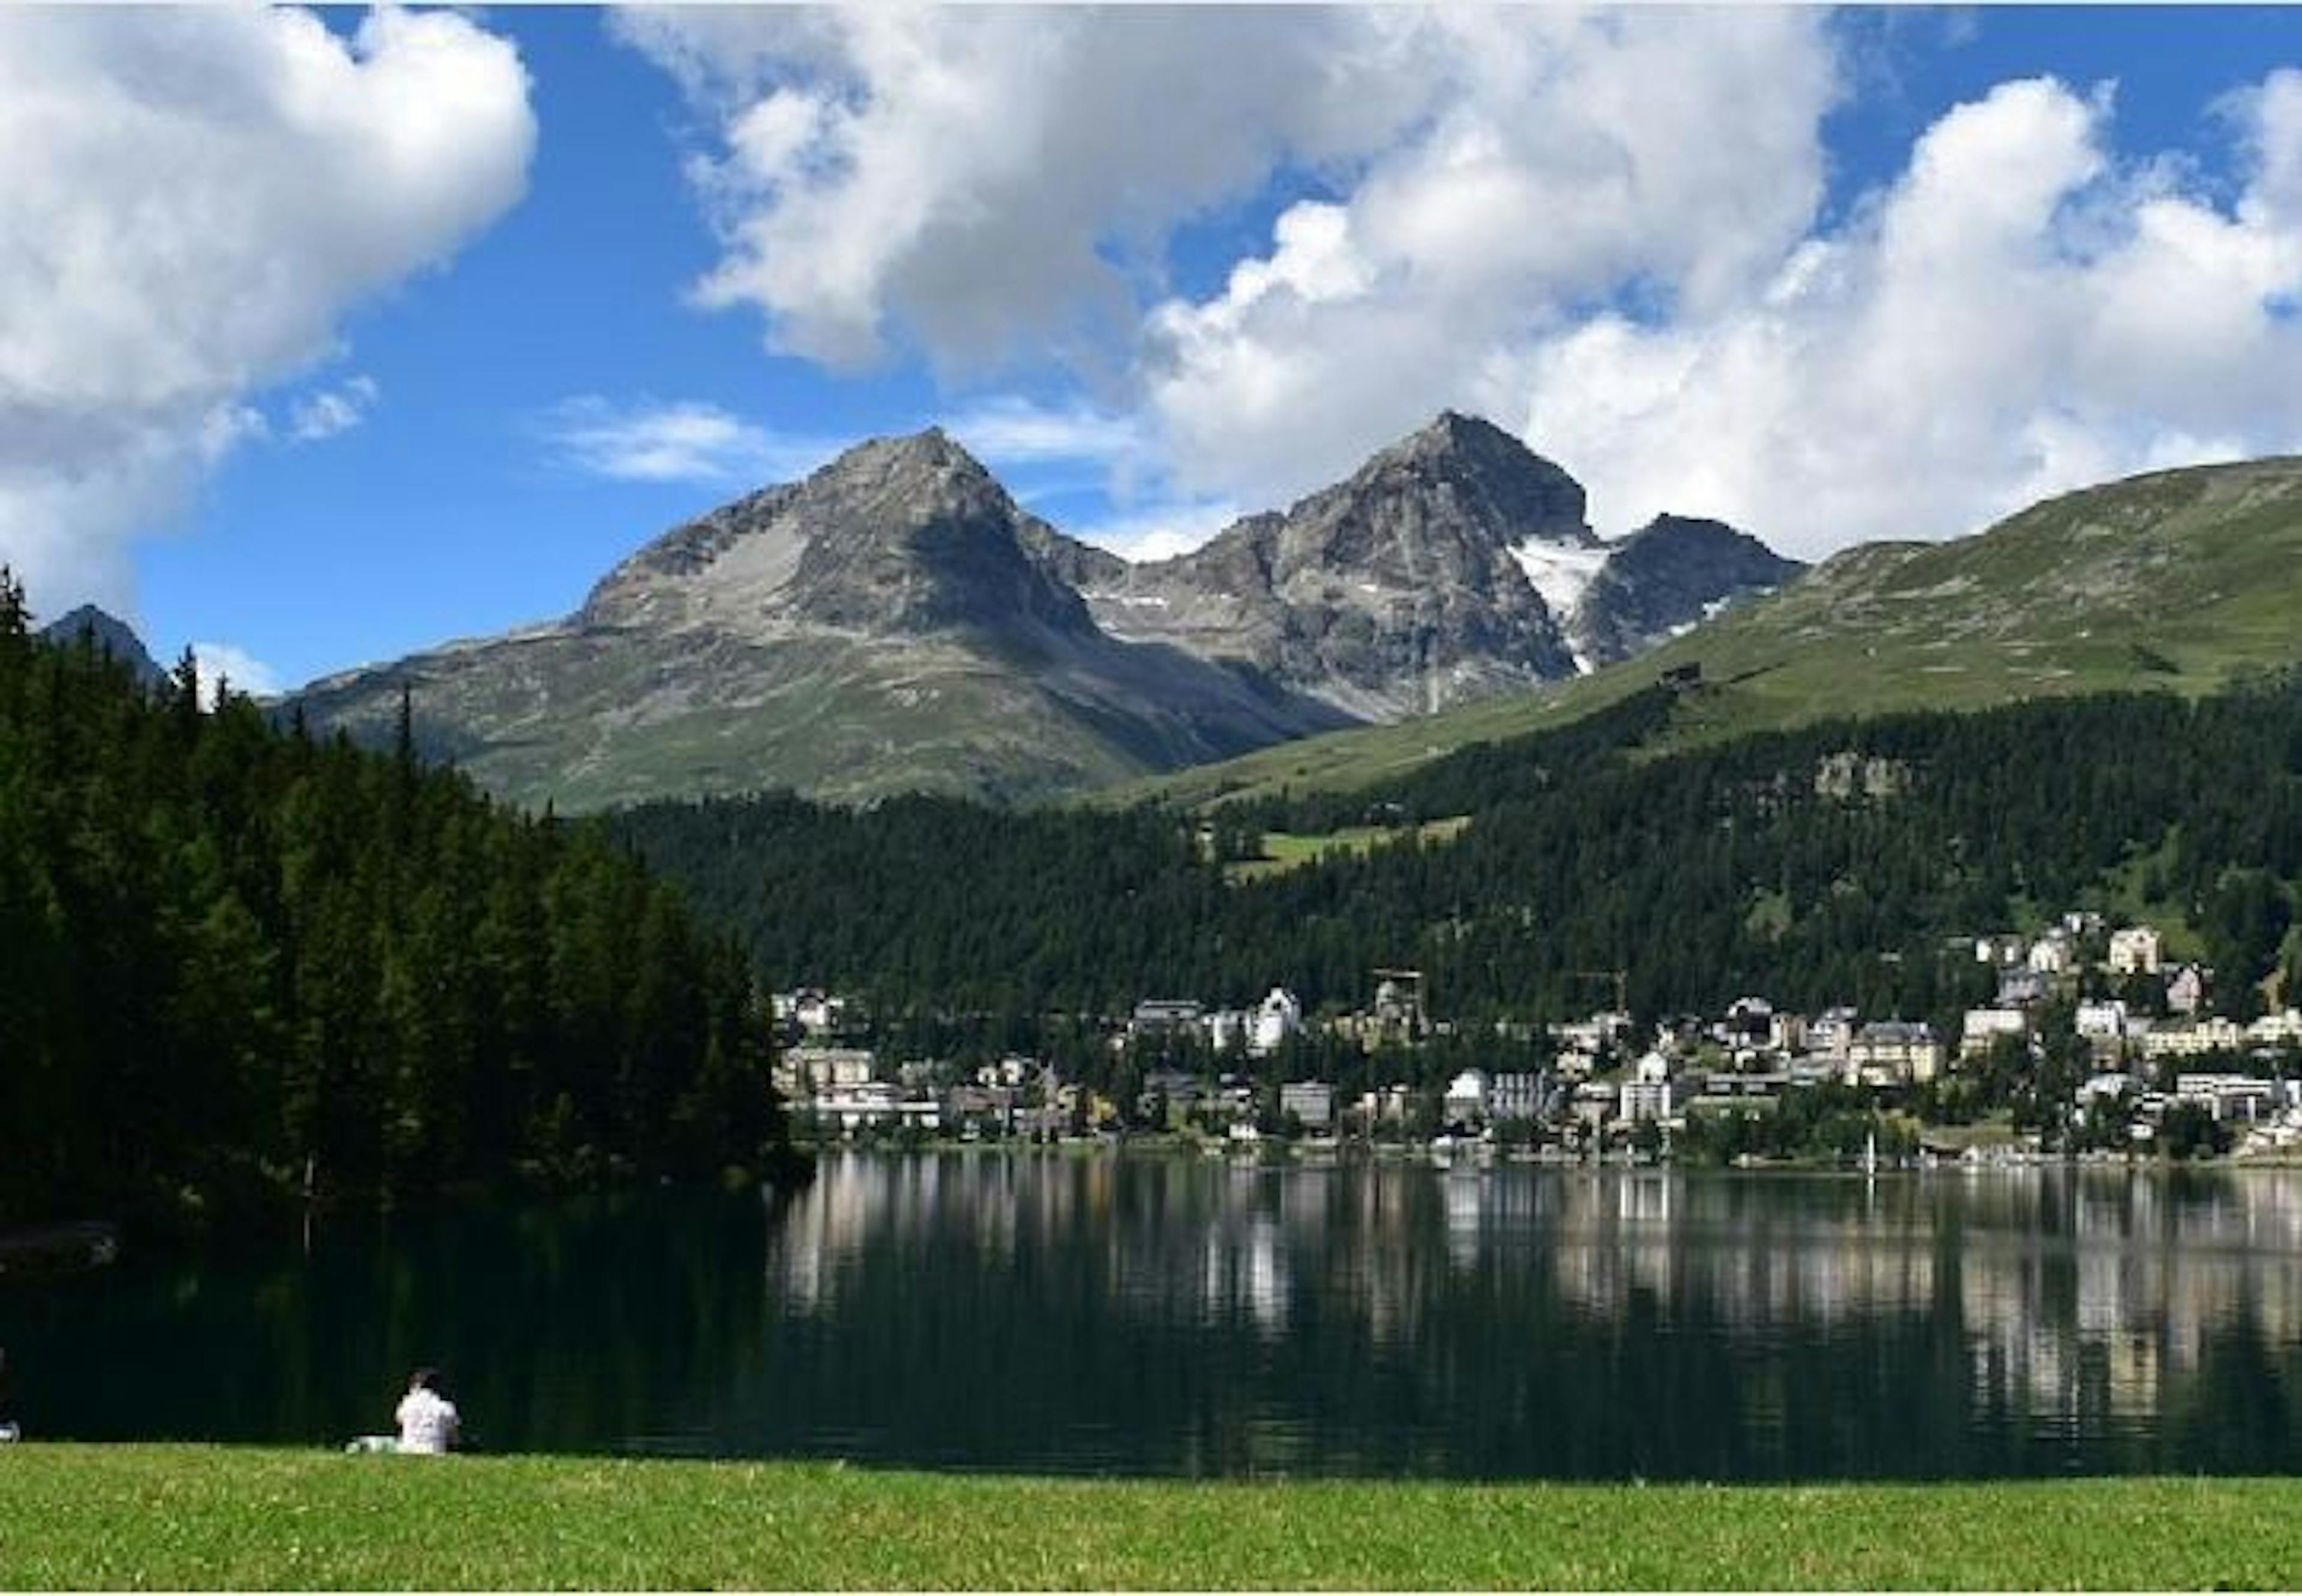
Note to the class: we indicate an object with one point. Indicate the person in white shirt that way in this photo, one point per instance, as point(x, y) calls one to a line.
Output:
point(428, 1421)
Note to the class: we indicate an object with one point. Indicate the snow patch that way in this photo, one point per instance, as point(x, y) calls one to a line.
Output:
point(1558, 573)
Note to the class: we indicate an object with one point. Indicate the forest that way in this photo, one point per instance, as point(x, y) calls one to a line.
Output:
point(1848, 862)
point(245, 967)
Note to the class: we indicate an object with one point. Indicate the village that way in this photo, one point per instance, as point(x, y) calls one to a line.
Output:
point(2096, 1044)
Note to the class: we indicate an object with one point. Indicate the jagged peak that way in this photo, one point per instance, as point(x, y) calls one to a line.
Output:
point(1454, 435)
point(931, 450)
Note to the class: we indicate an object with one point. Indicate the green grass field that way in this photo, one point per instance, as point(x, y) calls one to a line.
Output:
point(162, 1516)
point(1284, 850)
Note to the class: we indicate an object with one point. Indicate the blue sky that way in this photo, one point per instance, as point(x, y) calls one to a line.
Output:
point(327, 340)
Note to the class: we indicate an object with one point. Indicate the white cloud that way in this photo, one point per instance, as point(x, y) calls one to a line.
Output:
point(1552, 173)
point(324, 414)
point(189, 201)
point(1160, 531)
point(224, 663)
point(2020, 314)
point(675, 441)
point(981, 182)
point(1017, 431)
point(1606, 226)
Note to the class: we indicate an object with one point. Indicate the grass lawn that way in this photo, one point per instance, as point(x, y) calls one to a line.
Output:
point(1283, 850)
point(184, 1516)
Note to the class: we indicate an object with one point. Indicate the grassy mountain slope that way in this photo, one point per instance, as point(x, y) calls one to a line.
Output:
point(2178, 580)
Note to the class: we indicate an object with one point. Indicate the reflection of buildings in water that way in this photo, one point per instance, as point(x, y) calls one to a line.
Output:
point(2078, 1295)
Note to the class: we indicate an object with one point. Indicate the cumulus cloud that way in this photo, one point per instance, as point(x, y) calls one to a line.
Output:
point(1552, 176)
point(224, 663)
point(189, 201)
point(2019, 314)
point(1606, 228)
point(977, 181)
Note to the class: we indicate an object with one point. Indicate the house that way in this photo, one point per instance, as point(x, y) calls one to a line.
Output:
point(2051, 954)
point(1517, 1095)
point(1832, 1032)
point(2186, 990)
point(1165, 1016)
point(1893, 1053)
point(1311, 1102)
point(1467, 1099)
point(875, 1104)
point(2021, 987)
point(2134, 950)
point(1646, 1091)
point(1276, 1017)
point(2284, 1029)
point(2229, 1097)
point(2103, 1021)
point(2002, 950)
point(2179, 1039)
point(810, 1009)
point(1983, 1027)
point(2106, 1087)
point(807, 1071)
point(1748, 1020)
point(1385, 1106)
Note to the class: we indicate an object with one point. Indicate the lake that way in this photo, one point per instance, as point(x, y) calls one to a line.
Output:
point(1174, 1315)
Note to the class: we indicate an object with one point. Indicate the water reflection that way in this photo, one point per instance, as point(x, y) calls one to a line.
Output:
point(1186, 1316)
point(1517, 1322)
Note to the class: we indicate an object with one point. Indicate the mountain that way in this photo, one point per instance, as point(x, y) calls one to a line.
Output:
point(110, 635)
point(896, 622)
point(1417, 583)
point(2183, 580)
point(884, 624)
point(1671, 574)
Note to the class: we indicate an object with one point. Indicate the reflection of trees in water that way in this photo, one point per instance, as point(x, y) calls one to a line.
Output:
point(1174, 1315)
point(1030, 1311)
point(574, 1325)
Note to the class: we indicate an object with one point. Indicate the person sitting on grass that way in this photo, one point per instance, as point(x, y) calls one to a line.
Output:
point(428, 1422)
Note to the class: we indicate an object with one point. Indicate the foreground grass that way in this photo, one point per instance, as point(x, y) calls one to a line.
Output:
point(132, 1517)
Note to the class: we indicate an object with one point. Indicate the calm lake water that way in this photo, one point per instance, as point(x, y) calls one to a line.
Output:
point(1168, 1315)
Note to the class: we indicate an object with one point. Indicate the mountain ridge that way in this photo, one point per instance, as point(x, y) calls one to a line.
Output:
point(894, 620)
point(2184, 580)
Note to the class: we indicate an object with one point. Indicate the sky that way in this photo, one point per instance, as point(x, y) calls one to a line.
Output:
point(327, 336)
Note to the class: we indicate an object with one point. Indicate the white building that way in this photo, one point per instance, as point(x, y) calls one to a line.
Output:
point(1517, 1095)
point(1986, 1026)
point(2277, 1030)
point(1893, 1052)
point(2134, 950)
point(1646, 1093)
point(1311, 1102)
point(1466, 1097)
point(2186, 990)
point(2173, 1041)
point(2229, 1096)
point(2051, 954)
point(1832, 1032)
point(1276, 1017)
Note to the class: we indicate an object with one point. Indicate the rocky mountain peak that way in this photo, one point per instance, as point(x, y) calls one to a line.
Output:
point(1489, 486)
point(109, 633)
point(903, 534)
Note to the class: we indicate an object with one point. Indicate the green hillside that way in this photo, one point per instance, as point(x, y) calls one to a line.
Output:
point(2178, 580)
